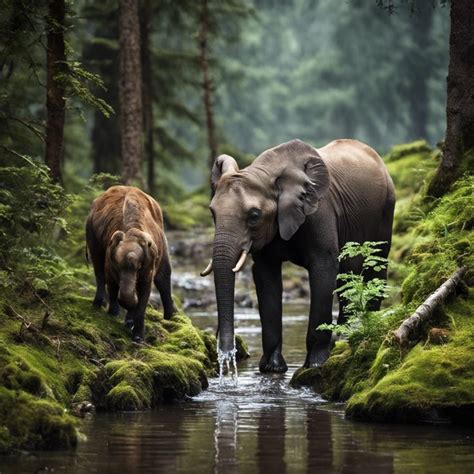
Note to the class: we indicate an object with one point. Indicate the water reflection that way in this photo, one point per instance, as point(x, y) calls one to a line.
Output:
point(225, 437)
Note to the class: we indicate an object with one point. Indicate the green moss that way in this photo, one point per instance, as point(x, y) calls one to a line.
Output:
point(184, 335)
point(132, 385)
point(406, 149)
point(31, 423)
point(83, 354)
point(409, 171)
point(432, 379)
point(242, 348)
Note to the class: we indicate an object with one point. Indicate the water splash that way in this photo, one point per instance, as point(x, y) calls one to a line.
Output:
point(227, 361)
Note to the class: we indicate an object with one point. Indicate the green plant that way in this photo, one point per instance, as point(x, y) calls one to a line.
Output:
point(358, 291)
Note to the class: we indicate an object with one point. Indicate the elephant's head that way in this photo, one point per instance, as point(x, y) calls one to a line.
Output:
point(130, 255)
point(251, 206)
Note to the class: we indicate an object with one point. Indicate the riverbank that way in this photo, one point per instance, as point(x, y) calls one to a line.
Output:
point(433, 378)
point(60, 357)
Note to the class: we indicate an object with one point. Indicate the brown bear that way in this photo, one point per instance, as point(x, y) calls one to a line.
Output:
point(128, 248)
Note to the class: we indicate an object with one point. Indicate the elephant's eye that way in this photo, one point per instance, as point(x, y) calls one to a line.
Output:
point(253, 216)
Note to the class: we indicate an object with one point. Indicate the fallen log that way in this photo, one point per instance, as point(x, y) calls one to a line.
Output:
point(425, 310)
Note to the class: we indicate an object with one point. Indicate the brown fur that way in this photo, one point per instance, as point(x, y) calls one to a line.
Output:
point(125, 225)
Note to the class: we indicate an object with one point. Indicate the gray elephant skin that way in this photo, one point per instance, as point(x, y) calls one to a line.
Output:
point(302, 204)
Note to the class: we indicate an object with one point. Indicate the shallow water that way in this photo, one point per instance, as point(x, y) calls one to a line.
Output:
point(261, 425)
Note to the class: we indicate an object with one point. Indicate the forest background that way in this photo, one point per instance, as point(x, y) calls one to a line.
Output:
point(224, 76)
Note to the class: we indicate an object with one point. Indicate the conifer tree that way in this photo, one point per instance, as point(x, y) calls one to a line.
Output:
point(55, 90)
point(131, 111)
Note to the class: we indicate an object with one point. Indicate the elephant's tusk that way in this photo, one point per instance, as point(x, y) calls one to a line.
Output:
point(241, 262)
point(207, 270)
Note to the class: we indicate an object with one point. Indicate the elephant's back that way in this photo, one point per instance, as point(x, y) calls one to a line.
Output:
point(121, 207)
point(361, 189)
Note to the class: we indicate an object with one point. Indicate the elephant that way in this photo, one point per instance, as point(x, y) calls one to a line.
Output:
point(129, 251)
point(300, 204)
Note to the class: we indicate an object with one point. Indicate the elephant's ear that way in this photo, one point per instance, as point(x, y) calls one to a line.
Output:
point(224, 164)
point(301, 186)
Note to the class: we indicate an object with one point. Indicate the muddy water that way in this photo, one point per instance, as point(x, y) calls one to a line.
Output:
point(260, 426)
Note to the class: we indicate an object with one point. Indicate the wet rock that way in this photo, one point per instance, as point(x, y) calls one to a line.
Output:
point(244, 300)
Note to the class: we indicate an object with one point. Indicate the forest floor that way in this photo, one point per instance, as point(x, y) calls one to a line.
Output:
point(433, 379)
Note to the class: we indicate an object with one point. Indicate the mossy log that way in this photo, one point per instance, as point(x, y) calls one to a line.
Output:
point(424, 312)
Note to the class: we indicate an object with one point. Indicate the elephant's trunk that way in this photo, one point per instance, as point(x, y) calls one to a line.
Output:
point(127, 290)
point(225, 255)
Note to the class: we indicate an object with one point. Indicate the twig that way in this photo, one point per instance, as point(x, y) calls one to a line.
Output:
point(30, 127)
point(426, 309)
point(45, 320)
point(25, 324)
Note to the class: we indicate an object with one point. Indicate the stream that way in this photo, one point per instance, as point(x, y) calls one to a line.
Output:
point(261, 425)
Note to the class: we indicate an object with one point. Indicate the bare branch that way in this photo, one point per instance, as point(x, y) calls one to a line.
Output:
point(425, 311)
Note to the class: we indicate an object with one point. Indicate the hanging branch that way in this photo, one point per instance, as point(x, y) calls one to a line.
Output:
point(425, 311)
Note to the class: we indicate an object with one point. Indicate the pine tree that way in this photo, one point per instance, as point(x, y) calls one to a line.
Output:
point(55, 90)
point(131, 111)
point(460, 105)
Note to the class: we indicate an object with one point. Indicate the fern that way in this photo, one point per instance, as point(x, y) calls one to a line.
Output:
point(359, 292)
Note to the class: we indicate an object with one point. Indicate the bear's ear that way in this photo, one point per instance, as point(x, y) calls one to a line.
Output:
point(149, 248)
point(224, 164)
point(116, 238)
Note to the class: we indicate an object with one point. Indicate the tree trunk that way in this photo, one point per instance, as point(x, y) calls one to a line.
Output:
point(130, 92)
point(424, 312)
point(460, 104)
point(55, 101)
point(145, 29)
point(104, 60)
point(420, 72)
point(207, 86)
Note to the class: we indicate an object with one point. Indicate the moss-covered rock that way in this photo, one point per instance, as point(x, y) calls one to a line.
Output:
point(28, 422)
point(434, 381)
point(242, 348)
point(81, 355)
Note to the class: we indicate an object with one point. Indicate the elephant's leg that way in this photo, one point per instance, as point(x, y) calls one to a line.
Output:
point(143, 294)
point(129, 318)
point(322, 279)
point(163, 283)
point(113, 289)
point(267, 277)
point(97, 256)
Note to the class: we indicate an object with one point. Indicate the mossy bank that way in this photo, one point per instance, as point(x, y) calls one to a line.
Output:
point(433, 379)
point(70, 356)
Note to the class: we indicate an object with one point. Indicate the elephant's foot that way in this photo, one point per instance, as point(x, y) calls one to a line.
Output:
point(129, 320)
point(99, 301)
point(169, 314)
point(274, 363)
point(114, 309)
point(318, 355)
point(138, 339)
